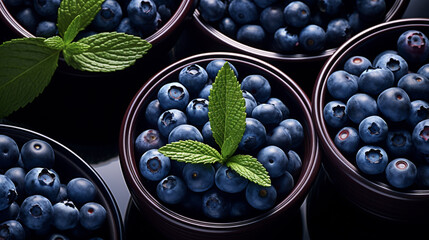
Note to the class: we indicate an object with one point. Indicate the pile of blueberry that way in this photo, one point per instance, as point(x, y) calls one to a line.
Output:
point(379, 114)
point(136, 17)
point(307, 26)
point(35, 204)
point(214, 191)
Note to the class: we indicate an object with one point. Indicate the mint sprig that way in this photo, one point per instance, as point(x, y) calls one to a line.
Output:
point(227, 116)
point(28, 64)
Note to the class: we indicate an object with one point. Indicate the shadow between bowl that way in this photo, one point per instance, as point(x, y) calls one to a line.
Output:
point(175, 225)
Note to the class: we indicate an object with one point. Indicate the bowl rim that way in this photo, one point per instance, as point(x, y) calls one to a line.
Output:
point(335, 157)
point(132, 175)
point(118, 231)
point(397, 9)
point(159, 36)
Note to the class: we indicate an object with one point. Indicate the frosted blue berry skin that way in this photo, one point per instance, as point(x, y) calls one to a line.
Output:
point(371, 160)
point(419, 111)
point(243, 11)
point(264, 3)
point(297, 14)
point(401, 173)
point(360, 106)
point(170, 119)
point(215, 65)
point(80, 190)
point(9, 152)
point(395, 63)
point(199, 177)
point(37, 153)
point(197, 111)
point(28, 18)
point(17, 175)
point(342, 85)
point(312, 38)
point(251, 34)
point(47, 8)
point(420, 136)
point(125, 26)
point(46, 29)
point(347, 140)
point(141, 12)
point(398, 143)
point(295, 163)
point(274, 160)
point(280, 137)
point(212, 10)
point(229, 181)
point(65, 215)
point(215, 205)
point(36, 212)
point(92, 216)
point(337, 32)
point(330, 7)
point(153, 111)
point(285, 40)
point(371, 10)
point(109, 16)
point(259, 197)
point(356, 65)
point(373, 129)
point(250, 105)
point(296, 131)
point(42, 181)
point(7, 192)
point(171, 190)
point(280, 105)
point(173, 96)
point(228, 27)
point(10, 213)
point(12, 229)
point(416, 86)
point(267, 114)
point(335, 114)
point(271, 19)
point(394, 104)
point(194, 78)
point(185, 132)
point(412, 46)
point(205, 92)
point(375, 80)
point(148, 139)
point(258, 86)
point(207, 133)
point(254, 136)
point(154, 166)
point(284, 183)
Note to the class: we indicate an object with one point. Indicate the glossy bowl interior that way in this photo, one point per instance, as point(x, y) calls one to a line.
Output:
point(69, 165)
point(394, 10)
point(375, 197)
point(177, 226)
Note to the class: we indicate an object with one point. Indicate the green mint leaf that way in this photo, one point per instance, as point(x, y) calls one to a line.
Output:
point(69, 9)
point(250, 168)
point(55, 43)
point(72, 30)
point(191, 151)
point(76, 48)
point(26, 68)
point(227, 111)
point(107, 52)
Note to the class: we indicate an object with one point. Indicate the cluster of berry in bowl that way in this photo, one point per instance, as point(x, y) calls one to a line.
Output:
point(35, 204)
point(214, 191)
point(378, 112)
point(307, 26)
point(136, 17)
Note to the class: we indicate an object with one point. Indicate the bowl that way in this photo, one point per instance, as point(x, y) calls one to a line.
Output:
point(175, 225)
point(394, 10)
point(372, 195)
point(69, 165)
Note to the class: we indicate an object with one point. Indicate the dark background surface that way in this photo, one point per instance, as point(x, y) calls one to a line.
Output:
point(84, 113)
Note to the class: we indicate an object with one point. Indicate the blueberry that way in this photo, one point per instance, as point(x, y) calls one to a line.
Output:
point(199, 177)
point(394, 104)
point(356, 65)
point(62, 194)
point(274, 160)
point(229, 181)
point(10, 213)
point(280, 105)
point(7, 192)
point(259, 197)
point(271, 19)
point(92, 215)
point(295, 163)
point(36, 212)
point(109, 16)
point(267, 114)
point(424, 70)
point(171, 190)
point(419, 112)
point(228, 27)
point(413, 47)
point(250, 105)
point(141, 12)
point(215, 65)
point(248, 95)
point(37, 153)
point(42, 181)
point(284, 183)
point(185, 132)
point(360, 106)
point(215, 205)
point(375, 80)
point(12, 229)
point(264, 3)
point(148, 139)
point(280, 137)
point(65, 215)
point(251, 34)
point(347, 140)
point(243, 11)
point(373, 129)
point(416, 86)
point(342, 85)
point(398, 143)
point(152, 112)
point(17, 175)
point(420, 136)
point(239, 208)
point(296, 131)
point(335, 114)
point(297, 14)
point(47, 8)
point(254, 136)
point(371, 10)
point(393, 62)
point(337, 32)
point(154, 165)
point(164, 11)
point(151, 26)
point(170, 119)
point(9, 152)
point(422, 178)
point(194, 78)
point(212, 10)
point(356, 22)
point(207, 133)
point(401, 173)
point(285, 40)
point(46, 29)
point(205, 92)
point(312, 38)
point(173, 96)
point(28, 18)
point(330, 7)
point(258, 86)
point(371, 159)
point(197, 111)
point(80, 190)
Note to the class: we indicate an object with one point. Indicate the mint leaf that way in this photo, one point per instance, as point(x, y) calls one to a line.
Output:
point(26, 68)
point(227, 111)
point(55, 43)
point(70, 9)
point(191, 151)
point(72, 30)
point(250, 168)
point(107, 52)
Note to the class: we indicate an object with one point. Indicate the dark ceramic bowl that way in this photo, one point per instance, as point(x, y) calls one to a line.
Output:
point(394, 10)
point(179, 226)
point(68, 165)
point(375, 197)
